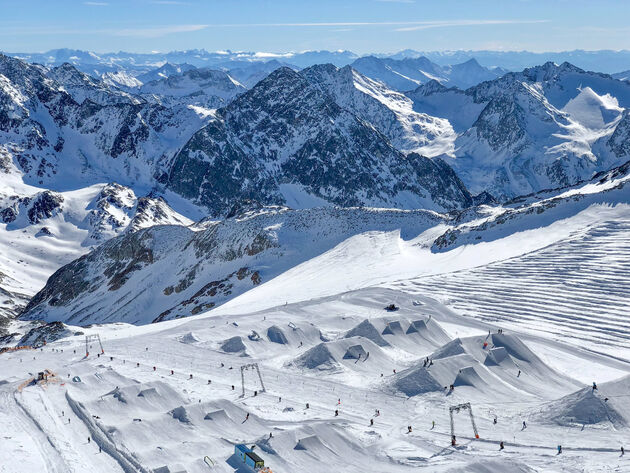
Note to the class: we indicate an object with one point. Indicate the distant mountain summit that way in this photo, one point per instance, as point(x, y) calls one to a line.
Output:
point(286, 141)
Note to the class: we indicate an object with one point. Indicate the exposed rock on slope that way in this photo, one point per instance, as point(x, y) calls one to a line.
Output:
point(287, 142)
point(166, 272)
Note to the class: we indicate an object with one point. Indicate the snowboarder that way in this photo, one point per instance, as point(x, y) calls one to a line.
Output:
point(255, 393)
point(394, 370)
point(501, 446)
point(336, 412)
point(453, 440)
point(524, 425)
point(270, 434)
point(190, 376)
point(89, 440)
point(209, 382)
point(409, 429)
point(154, 368)
point(99, 449)
point(308, 405)
point(222, 365)
point(371, 422)
point(232, 387)
point(279, 399)
point(425, 363)
point(594, 386)
point(62, 413)
point(559, 449)
point(431, 362)
point(247, 416)
point(519, 374)
point(172, 372)
point(623, 452)
point(494, 421)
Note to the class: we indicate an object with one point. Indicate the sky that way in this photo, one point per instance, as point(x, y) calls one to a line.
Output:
point(361, 26)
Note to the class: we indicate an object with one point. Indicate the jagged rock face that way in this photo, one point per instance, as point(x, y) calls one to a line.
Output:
point(37, 208)
point(390, 112)
point(287, 132)
point(83, 87)
point(50, 119)
point(201, 87)
point(166, 272)
point(546, 127)
point(619, 142)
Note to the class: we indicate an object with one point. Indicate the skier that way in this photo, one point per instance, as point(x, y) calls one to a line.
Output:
point(154, 368)
point(371, 422)
point(336, 412)
point(190, 376)
point(519, 374)
point(494, 421)
point(559, 449)
point(307, 405)
point(409, 429)
point(209, 382)
point(99, 449)
point(501, 446)
point(172, 372)
point(623, 452)
point(432, 425)
point(62, 413)
point(524, 425)
point(280, 399)
point(594, 386)
point(270, 434)
point(89, 440)
point(247, 416)
point(453, 440)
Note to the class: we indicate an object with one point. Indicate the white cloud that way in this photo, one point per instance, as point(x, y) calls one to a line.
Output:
point(447, 24)
point(156, 32)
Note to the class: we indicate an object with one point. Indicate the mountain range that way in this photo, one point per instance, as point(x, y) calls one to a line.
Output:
point(86, 158)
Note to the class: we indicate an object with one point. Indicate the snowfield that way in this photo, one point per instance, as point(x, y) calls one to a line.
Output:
point(144, 418)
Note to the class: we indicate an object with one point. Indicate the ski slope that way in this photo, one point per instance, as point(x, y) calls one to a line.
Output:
point(144, 418)
point(574, 289)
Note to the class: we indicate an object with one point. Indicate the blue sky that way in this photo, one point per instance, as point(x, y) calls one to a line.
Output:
point(294, 25)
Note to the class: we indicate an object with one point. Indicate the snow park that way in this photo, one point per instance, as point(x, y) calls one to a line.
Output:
point(315, 237)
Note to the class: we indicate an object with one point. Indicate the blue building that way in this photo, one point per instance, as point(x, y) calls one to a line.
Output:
point(248, 457)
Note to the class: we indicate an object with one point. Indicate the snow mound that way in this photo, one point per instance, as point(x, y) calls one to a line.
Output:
point(492, 466)
point(366, 330)
point(607, 404)
point(180, 414)
point(217, 416)
point(276, 335)
point(318, 357)
point(452, 348)
point(355, 352)
point(190, 337)
point(312, 444)
point(233, 345)
point(392, 328)
point(417, 381)
point(150, 392)
point(515, 347)
point(467, 377)
point(429, 330)
point(496, 356)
